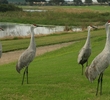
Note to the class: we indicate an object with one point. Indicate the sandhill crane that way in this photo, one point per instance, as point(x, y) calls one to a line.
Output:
point(1, 45)
point(28, 55)
point(85, 51)
point(100, 62)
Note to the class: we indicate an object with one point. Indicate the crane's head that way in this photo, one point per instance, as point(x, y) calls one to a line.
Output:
point(35, 25)
point(109, 21)
point(1, 29)
point(95, 27)
point(107, 24)
point(91, 26)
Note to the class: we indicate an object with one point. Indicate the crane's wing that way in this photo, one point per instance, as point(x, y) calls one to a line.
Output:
point(24, 60)
point(0, 50)
point(87, 53)
point(84, 55)
point(27, 57)
point(98, 65)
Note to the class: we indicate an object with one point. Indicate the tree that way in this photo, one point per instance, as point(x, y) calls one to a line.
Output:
point(39, 0)
point(31, 1)
point(56, 1)
point(35, 0)
point(102, 1)
point(88, 1)
point(9, 7)
point(77, 2)
point(4, 1)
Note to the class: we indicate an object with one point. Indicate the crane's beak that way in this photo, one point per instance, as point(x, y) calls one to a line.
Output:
point(39, 25)
point(95, 27)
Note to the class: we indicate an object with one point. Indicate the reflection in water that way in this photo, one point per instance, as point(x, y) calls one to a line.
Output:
point(13, 29)
point(28, 10)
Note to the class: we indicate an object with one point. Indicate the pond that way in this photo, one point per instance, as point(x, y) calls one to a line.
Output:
point(28, 10)
point(15, 29)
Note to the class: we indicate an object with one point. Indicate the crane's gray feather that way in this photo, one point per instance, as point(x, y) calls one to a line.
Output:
point(98, 65)
point(85, 52)
point(84, 55)
point(101, 61)
point(28, 55)
point(25, 59)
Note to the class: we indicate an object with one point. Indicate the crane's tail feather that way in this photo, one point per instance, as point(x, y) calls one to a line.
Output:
point(17, 69)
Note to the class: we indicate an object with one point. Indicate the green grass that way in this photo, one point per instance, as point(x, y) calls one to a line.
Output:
point(55, 76)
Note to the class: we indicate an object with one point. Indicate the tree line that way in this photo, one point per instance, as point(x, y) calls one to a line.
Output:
point(77, 2)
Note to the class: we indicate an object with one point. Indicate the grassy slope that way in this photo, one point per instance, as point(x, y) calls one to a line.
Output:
point(54, 76)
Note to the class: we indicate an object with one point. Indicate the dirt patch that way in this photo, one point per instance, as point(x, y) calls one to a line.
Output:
point(14, 55)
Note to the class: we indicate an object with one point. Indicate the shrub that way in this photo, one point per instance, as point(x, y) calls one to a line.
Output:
point(9, 7)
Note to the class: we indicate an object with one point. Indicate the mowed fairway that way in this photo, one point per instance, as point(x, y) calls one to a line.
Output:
point(55, 76)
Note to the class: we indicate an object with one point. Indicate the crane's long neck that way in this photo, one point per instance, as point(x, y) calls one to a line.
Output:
point(107, 45)
point(32, 41)
point(88, 38)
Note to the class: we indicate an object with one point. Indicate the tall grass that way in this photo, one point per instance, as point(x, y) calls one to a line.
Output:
point(57, 16)
point(75, 9)
point(94, 8)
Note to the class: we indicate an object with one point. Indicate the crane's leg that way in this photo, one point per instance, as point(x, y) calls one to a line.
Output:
point(27, 74)
point(101, 84)
point(99, 79)
point(82, 68)
point(23, 76)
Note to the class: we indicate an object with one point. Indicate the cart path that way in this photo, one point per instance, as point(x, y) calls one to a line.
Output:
point(12, 56)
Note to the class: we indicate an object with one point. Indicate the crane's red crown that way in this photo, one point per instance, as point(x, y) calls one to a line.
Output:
point(109, 21)
point(34, 24)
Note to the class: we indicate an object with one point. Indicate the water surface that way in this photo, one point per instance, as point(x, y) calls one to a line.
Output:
point(15, 29)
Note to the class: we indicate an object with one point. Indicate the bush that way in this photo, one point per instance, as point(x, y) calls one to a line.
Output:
point(9, 7)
